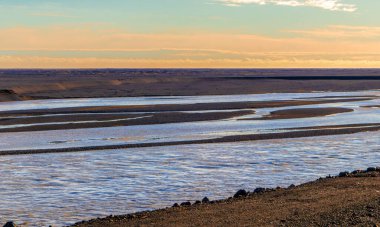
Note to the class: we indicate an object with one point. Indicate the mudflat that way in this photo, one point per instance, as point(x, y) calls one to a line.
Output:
point(352, 199)
point(304, 113)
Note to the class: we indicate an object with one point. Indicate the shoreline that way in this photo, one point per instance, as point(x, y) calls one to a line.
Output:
point(341, 200)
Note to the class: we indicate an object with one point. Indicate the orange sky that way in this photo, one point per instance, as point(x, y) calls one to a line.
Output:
point(59, 39)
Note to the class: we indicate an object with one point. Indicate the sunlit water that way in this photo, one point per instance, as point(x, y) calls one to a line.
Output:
point(60, 189)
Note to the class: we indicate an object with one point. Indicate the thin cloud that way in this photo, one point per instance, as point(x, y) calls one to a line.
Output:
point(342, 31)
point(332, 5)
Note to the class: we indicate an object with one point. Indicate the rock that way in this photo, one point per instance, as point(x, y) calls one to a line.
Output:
point(344, 174)
point(197, 202)
point(259, 190)
point(292, 186)
point(371, 169)
point(205, 200)
point(240, 193)
point(357, 171)
point(10, 224)
point(185, 204)
point(175, 205)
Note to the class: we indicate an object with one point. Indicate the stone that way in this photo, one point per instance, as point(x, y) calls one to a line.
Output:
point(10, 224)
point(241, 193)
point(175, 205)
point(259, 190)
point(205, 200)
point(357, 171)
point(344, 174)
point(371, 169)
point(185, 204)
point(292, 186)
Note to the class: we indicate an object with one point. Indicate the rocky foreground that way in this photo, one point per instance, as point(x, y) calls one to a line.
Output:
point(349, 199)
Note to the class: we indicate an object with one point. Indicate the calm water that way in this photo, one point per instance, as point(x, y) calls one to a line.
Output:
point(180, 131)
point(61, 189)
point(65, 188)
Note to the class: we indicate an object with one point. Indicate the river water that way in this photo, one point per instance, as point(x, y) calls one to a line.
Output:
point(60, 189)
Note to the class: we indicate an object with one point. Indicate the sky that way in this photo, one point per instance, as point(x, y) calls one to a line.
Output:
point(189, 34)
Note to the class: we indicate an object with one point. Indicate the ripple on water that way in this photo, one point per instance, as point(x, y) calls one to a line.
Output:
point(90, 184)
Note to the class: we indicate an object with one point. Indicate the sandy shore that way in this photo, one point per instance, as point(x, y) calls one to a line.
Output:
point(350, 199)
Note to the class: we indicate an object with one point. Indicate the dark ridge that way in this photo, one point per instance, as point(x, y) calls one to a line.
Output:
point(302, 78)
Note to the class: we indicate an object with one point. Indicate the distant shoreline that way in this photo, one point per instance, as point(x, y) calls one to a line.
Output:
point(16, 85)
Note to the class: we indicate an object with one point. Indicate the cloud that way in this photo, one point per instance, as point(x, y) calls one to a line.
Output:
point(266, 61)
point(333, 5)
point(103, 38)
point(341, 31)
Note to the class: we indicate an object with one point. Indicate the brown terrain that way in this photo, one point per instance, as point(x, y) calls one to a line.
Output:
point(351, 199)
point(48, 84)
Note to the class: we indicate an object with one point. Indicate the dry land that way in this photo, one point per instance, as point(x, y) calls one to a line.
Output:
point(49, 84)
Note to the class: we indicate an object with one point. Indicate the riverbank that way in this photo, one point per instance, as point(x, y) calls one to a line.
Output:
point(349, 199)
